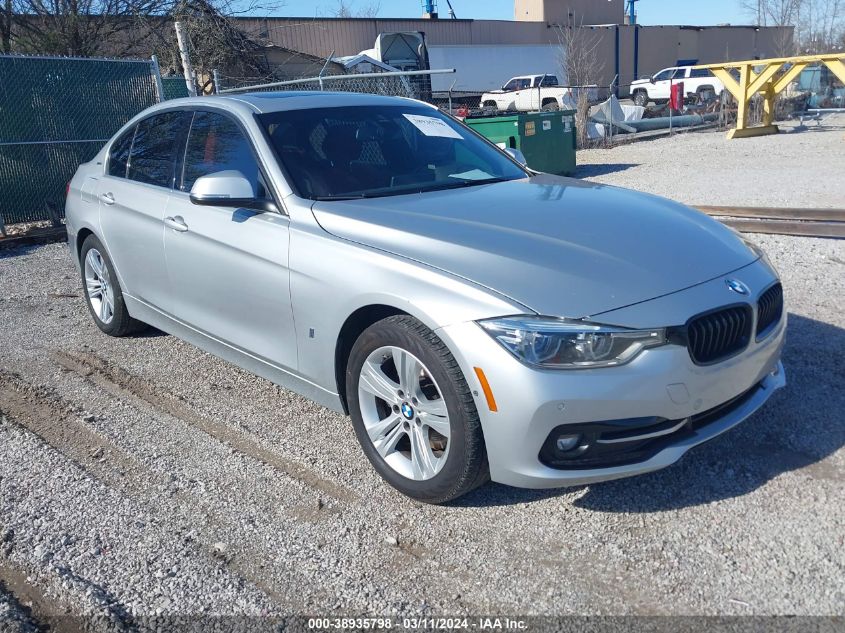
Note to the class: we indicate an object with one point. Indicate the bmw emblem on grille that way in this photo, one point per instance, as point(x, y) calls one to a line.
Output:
point(407, 410)
point(737, 286)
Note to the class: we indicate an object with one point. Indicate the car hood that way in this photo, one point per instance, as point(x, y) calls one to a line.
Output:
point(558, 246)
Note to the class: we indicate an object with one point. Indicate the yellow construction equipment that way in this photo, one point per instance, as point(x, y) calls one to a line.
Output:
point(768, 77)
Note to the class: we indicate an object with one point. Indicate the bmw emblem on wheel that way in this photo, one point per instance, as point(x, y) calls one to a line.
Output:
point(737, 286)
point(407, 410)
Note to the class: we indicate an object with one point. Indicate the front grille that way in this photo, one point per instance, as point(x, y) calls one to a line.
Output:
point(769, 308)
point(716, 336)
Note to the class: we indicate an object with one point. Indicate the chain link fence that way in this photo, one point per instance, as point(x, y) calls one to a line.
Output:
point(55, 113)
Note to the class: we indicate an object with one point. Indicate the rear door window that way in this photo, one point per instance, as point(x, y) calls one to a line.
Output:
point(119, 153)
point(216, 143)
point(158, 141)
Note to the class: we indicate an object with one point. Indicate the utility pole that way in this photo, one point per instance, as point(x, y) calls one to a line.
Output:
point(182, 40)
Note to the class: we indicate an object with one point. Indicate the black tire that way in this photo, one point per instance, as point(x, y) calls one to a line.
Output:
point(551, 106)
point(490, 104)
point(641, 98)
point(466, 465)
point(121, 324)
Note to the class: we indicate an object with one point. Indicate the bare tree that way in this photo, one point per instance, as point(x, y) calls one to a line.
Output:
point(131, 27)
point(821, 25)
point(818, 23)
point(215, 41)
point(76, 27)
point(773, 12)
point(346, 9)
point(579, 59)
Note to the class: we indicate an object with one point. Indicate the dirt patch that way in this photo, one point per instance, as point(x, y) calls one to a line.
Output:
point(125, 385)
point(59, 424)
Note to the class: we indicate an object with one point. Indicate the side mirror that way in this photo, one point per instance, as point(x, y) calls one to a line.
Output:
point(228, 189)
point(517, 156)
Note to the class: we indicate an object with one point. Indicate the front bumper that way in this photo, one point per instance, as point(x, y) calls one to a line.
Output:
point(662, 382)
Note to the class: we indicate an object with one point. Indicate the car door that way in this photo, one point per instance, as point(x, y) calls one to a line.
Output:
point(133, 195)
point(529, 97)
point(229, 267)
point(662, 80)
point(682, 76)
point(522, 96)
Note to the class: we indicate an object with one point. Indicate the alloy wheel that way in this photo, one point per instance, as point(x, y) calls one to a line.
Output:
point(404, 413)
point(99, 287)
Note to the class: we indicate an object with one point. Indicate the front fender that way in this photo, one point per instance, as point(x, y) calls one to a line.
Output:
point(331, 278)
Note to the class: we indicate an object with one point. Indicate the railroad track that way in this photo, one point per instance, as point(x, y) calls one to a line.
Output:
point(781, 221)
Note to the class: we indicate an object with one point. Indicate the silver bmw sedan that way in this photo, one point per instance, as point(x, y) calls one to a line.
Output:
point(476, 320)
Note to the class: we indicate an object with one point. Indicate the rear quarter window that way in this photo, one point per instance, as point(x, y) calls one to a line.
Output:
point(119, 153)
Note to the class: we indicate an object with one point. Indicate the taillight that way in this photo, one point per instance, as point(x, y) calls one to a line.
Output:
point(67, 189)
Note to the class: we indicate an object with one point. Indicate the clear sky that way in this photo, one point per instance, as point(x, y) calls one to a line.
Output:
point(696, 12)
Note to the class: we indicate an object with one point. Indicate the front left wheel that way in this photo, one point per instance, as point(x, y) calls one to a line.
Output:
point(413, 411)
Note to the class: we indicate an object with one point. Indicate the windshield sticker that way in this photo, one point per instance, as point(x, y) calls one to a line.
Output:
point(430, 126)
point(473, 174)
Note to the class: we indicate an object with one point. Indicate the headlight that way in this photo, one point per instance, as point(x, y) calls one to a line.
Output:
point(563, 344)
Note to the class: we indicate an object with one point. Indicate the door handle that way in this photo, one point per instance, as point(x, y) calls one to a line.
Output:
point(107, 198)
point(177, 223)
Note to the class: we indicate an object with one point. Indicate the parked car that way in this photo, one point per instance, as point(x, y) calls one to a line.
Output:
point(532, 93)
point(476, 319)
point(697, 81)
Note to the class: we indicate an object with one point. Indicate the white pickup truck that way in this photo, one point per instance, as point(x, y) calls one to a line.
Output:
point(658, 88)
point(530, 93)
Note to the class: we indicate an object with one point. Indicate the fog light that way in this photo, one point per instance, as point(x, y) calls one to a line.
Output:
point(567, 442)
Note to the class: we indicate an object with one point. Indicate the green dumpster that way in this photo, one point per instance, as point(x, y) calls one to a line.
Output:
point(546, 139)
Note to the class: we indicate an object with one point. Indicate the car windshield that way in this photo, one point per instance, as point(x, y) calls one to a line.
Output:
point(368, 152)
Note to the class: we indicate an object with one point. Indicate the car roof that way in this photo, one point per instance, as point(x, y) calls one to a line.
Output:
point(265, 102)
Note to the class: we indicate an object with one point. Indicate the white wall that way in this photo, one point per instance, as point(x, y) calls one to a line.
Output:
point(482, 68)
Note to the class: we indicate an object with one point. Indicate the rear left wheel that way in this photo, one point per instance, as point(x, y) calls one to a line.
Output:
point(103, 293)
point(413, 412)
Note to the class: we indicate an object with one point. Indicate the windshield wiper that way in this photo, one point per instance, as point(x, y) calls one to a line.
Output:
point(401, 191)
point(357, 196)
point(468, 183)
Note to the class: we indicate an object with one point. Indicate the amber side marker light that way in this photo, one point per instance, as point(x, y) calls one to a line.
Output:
point(485, 387)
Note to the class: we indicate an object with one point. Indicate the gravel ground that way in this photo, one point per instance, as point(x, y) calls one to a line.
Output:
point(801, 168)
point(142, 476)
